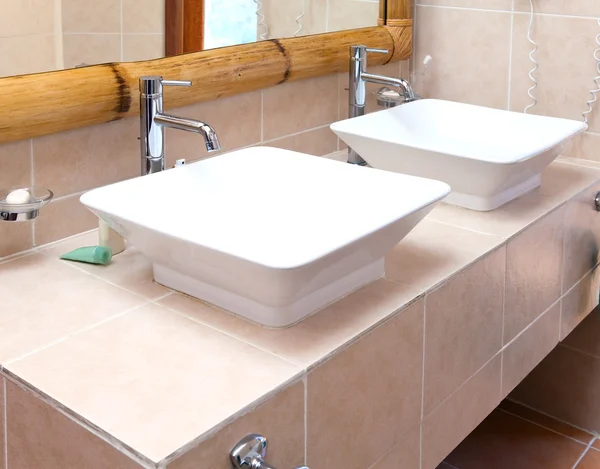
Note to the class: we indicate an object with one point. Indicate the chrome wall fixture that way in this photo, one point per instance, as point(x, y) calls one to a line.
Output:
point(250, 453)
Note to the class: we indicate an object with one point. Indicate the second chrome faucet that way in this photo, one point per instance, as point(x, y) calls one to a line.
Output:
point(153, 123)
point(358, 88)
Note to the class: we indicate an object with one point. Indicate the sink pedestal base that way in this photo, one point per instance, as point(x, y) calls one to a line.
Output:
point(485, 204)
point(279, 313)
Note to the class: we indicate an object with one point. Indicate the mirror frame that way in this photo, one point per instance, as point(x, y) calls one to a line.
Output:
point(46, 103)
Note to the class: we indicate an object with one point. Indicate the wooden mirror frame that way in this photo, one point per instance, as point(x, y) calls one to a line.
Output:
point(46, 103)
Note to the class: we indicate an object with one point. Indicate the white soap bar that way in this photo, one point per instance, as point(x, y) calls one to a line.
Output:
point(20, 196)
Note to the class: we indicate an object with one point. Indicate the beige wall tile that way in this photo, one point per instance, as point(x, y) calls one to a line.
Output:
point(367, 396)
point(480, 4)
point(566, 67)
point(585, 146)
point(582, 237)
point(281, 17)
point(477, 77)
point(406, 454)
point(561, 7)
point(26, 17)
point(350, 14)
point(138, 47)
point(61, 218)
point(144, 16)
point(117, 369)
point(91, 49)
point(533, 272)
point(15, 164)
point(242, 131)
point(530, 348)
point(280, 420)
point(15, 237)
point(579, 302)
point(82, 159)
point(318, 142)
point(90, 16)
point(463, 327)
point(48, 285)
point(298, 106)
point(2, 423)
point(39, 436)
point(451, 422)
point(317, 336)
point(585, 336)
point(564, 385)
point(27, 54)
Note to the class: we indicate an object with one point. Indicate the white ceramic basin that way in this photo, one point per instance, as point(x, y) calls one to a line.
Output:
point(268, 234)
point(488, 156)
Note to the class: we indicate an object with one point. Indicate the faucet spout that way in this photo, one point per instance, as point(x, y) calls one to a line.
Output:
point(390, 81)
point(190, 125)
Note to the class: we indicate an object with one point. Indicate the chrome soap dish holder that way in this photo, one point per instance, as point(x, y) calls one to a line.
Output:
point(15, 210)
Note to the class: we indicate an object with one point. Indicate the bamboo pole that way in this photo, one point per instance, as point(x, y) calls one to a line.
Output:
point(45, 103)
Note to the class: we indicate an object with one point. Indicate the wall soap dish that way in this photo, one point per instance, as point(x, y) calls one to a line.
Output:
point(23, 203)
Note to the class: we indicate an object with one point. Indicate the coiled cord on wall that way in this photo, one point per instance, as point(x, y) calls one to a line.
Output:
point(532, 58)
point(299, 18)
point(595, 91)
point(262, 24)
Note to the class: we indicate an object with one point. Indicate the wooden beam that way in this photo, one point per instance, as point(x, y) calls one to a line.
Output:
point(174, 27)
point(45, 103)
point(399, 12)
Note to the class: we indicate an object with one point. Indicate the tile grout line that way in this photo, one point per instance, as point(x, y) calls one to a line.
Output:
point(518, 12)
point(545, 427)
point(573, 349)
point(504, 320)
point(550, 416)
point(305, 379)
point(585, 452)
point(423, 353)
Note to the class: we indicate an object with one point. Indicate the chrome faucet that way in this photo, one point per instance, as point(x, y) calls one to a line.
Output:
point(358, 88)
point(153, 123)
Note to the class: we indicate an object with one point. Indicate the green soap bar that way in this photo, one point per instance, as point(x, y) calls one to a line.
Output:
point(91, 255)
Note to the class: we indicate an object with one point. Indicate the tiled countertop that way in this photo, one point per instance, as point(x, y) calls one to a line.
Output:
point(126, 357)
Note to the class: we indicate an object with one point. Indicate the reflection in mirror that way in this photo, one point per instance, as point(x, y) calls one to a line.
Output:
point(44, 35)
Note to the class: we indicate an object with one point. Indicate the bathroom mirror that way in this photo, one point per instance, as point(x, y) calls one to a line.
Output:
point(45, 35)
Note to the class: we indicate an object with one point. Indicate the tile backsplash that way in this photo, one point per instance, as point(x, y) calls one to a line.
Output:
point(481, 56)
point(294, 116)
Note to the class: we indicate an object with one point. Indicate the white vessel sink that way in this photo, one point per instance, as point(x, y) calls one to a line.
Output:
point(268, 234)
point(488, 156)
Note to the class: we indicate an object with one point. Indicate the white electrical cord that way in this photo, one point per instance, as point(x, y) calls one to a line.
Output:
point(299, 19)
point(595, 91)
point(535, 64)
point(262, 25)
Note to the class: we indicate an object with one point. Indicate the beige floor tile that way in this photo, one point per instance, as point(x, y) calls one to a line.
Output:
point(434, 251)
point(478, 77)
point(585, 336)
point(459, 415)
point(367, 396)
point(590, 461)
point(41, 437)
point(131, 375)
point(564, 385)
point(463, 327)
point(406, 454)
point(533, 272)
point(579, 302)
point(44, 301)
point(530, 348)
point(504, 441)
point(314, 338)
point(545, 421)
point(560, 182)
point(130, 270)
point(582, 237)
point(280, 420)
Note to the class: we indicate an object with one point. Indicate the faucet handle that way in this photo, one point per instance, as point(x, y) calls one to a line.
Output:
point(176, 83)
point(378, 51)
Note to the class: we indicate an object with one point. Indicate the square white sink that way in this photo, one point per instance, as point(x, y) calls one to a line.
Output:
point(268, 234)
point(488, 156)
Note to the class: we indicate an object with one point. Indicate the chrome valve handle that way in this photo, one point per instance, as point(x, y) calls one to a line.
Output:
point(250, 453)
